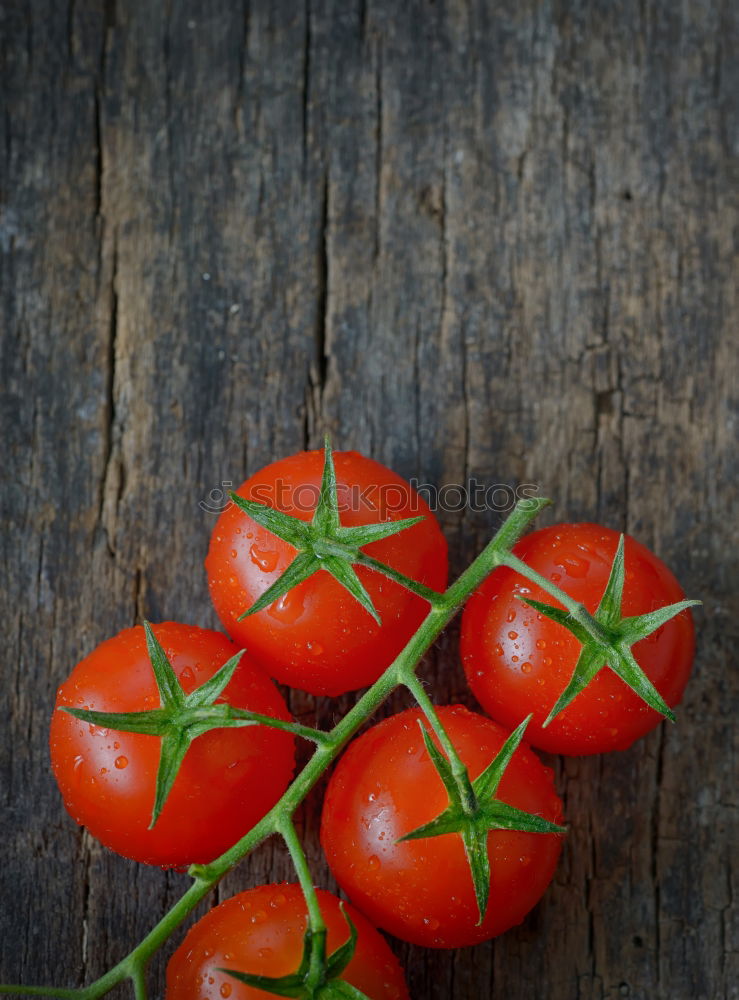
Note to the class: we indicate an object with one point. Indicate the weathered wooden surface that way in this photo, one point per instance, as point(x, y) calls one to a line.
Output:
point(469, 239)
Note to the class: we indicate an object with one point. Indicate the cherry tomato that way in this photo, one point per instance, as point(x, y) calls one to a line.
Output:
point(229, 777)
point(261, 931)
point(318, 637)
point(518, 661)
point(386, 785)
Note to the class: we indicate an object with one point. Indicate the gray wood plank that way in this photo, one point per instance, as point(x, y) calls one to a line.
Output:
point(476, 241)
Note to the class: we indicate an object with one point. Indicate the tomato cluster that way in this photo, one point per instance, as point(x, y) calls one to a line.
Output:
point(167, 743)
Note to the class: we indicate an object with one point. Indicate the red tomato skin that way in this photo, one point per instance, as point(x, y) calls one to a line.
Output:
point(421, 890)
point(317, 637)
point(261, 931)
point(517, 662)
point(107, 778)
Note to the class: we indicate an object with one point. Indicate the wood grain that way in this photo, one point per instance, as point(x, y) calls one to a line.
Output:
point(472, 240)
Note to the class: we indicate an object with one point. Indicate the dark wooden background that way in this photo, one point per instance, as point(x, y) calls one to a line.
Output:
point(470, 239)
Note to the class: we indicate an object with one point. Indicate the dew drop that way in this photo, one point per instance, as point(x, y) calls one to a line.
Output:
point(287, 608)
point(513, 635)
point(526, 667)
point(121, 762)
point(265, 559)
point(541, 644)
point(103, 770)
point(234, 553)
point(373, 863)
point(515, 659)
point(431, 922)
point(225, 989)
point(314, 647)
point(187, 675)
point(511, 616)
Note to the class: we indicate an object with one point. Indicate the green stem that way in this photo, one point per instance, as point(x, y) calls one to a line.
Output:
point(461, 776)
point(400, 671)
point(316, 923)
point(290, 836)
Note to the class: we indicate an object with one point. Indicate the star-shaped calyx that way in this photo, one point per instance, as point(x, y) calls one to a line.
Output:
point(607, 639)
point(318, 977)
point(323, 543)
point(181, 717)
point(473, 817)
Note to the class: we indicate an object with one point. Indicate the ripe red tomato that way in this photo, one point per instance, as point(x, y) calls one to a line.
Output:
point(229, 777)
point(261, 932)
point(385, 786)
point(318, 637)
point(518, 661)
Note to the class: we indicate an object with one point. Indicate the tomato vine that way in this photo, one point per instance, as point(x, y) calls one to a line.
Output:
point(324, 545)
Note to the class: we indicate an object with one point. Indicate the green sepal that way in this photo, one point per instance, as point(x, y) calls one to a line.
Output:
point(475, 840)
point(488, 813)
point(338, 961)
point(283, 986)
point(486, 784)
point(609, 608)
point(558, 615)
point(340, 989)
point(590, 661)
point(214, 687)
point(304, 564)
point(502, 816)
point(326, 544)
point(346, 575)
point(150, 723)
point(170, 689)
point(174, 747)
point(638, 627)
point(365, 534)
point(442, 765)
point(450, 821)
point(326, 515)
point(607, 639)
point(290, 529)
point(630, 671)
point(294, 984)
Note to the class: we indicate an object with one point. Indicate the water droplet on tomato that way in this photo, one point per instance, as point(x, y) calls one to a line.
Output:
point(498, 649)
point(526, 667)
point(225, 989)
point(121, 762)
point(259, 917)
point(103, 770)
point(515, 659)
point(431, 922)
point(234, 553)
point(556, 577)
point(187, 675)
point(264, 952)
point(287, 608)
point(265, 559)
point(373, 862)
point(511, 616)
point(541, 644)
point(314, 647)
point(513, 635)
